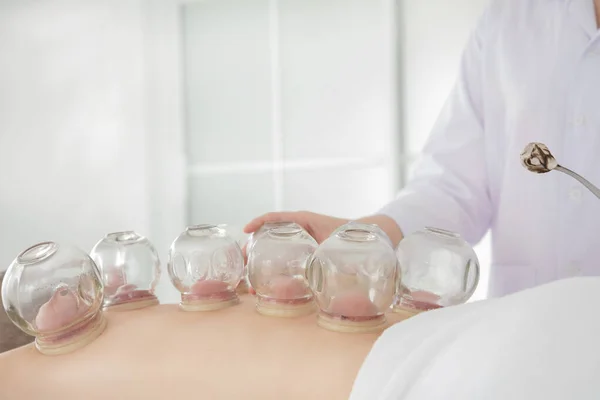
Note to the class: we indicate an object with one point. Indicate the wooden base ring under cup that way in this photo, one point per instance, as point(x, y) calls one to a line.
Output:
point(82, 339)
point(133, 305)
point(209, 304)
point(283, 310)
point(374, 325)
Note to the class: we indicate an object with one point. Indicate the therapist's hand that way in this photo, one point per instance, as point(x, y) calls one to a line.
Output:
point(319, 226)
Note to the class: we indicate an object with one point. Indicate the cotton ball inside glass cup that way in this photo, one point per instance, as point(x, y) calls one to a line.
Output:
point(130, 268)
point(438, 268)
point(206, 265)
point(54, 292)
point(277, 270)
point(353, 277)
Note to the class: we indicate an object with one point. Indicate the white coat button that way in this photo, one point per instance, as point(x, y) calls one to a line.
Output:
point(580, 120)
point(575, 195)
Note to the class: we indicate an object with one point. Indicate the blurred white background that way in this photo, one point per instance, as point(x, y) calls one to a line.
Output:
point(151, 115)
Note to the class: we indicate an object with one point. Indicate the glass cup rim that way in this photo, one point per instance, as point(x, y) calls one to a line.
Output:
point(37, 253)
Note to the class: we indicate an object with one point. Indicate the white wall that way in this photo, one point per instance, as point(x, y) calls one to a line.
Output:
point(72, 137)
point(276, 115)
point(91, 113)
point(290, 104)
point(434, 33)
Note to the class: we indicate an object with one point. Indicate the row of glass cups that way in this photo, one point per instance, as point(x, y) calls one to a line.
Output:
point(356, 275)
point(56, 292)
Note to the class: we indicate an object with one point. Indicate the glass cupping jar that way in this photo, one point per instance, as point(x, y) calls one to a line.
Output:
point(206, 265)
point(438, 269)
point(130, 269)
point(252, 239)
point(54, 292)
point(277, 258)
point(352, 275)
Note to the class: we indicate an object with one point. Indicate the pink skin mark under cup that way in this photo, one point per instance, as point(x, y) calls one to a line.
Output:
point(424, 301)
point(287, 288)
point(353, 305)
point(209, 289)
point(62, 309)
point(129, 293)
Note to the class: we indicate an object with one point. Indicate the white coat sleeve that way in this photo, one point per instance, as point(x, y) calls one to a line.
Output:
point(449, 189)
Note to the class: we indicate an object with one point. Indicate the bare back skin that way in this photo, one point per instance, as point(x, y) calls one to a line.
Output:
point(162, 352)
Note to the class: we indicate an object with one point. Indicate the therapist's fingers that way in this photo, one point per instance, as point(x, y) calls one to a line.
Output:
point(319, 226)
point(287, 216)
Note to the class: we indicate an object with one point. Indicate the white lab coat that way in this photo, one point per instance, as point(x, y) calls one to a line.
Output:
point(530, 72)
point(539, 344)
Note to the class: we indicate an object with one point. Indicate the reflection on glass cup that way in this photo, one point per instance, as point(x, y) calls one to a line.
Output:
point(353, 277)
point(277, 258)
point(438, 268)
point(130, 268)
point(206, 265)
point(54, 292)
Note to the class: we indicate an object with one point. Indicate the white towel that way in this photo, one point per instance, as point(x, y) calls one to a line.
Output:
point(542, 343)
